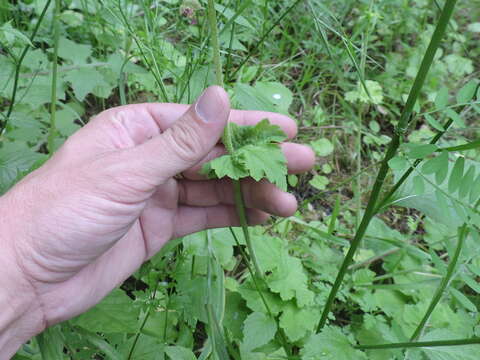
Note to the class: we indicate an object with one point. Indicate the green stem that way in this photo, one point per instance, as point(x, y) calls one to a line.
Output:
point(444, 283)
point(19, 65)
point(53, 95)
point(391, 151)
point(147, 315)
point(212, 19)
point(458, 342)
point(227, 138)
point(240, 206)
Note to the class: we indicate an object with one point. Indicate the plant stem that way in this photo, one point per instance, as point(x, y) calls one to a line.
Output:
point(391, 151)
point(147, 315)
point(19, 65)
point(240, 207)
point(444, 283)
point(212, 19)
point(458, 342)
point(53, 95)
point(227, 139)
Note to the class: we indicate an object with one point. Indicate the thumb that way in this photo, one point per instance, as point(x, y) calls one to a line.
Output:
point(186, 142)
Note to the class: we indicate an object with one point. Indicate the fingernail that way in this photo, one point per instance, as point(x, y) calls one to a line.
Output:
point(210, 106)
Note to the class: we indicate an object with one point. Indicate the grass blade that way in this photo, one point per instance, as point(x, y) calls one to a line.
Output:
point(443, 285)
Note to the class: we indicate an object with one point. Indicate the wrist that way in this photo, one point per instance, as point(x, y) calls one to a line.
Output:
point(21, 316)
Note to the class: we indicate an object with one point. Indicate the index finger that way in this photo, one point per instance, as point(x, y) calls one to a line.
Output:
point(165, 114)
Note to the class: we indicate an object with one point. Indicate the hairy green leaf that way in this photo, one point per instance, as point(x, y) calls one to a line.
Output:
point(256, 154)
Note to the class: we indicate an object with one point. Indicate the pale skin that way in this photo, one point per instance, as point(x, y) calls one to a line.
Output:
point(109, 199)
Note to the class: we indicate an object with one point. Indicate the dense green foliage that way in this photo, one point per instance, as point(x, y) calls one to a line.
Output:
point(344, 70)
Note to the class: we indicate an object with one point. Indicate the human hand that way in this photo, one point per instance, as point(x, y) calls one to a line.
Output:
point(108, 200)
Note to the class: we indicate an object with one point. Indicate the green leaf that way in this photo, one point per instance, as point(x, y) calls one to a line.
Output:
point(467, 92)
point(290, 281)
point(475, 190)
point(114, 313)
point(463, 300)
point(434, 122)
point(441, 100)
point(253, 297)
point(76, 53)
point(86, 81)
point(442, 172)
point(465, 352)
point(418, 185)
point(319, 182)
point(280, 96)
point(147, 347)
point(225, 166)
point(456, 175)
point(269, 250)
point(263, 133)
point(179, 353)
point(265, 161)
point(16, 160)
point(456, 118)
point(298, 322)
point(268, 96)
point(235, 314)
point(474, 269)
point(99, 343)
point(9, 35)
point(256, 154)
point(51, 343)
point(397, 163)
point(433, 165)
point(259, 329)
point(322, 147)
point(420, 151)
point(331, 344)
point(467, 182)
point(472, 283)
point(474, 27)
point(459, 65)
point(374, 90)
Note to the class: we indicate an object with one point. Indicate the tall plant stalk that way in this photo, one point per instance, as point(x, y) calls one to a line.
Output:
point(227, 138)
point(18, 66)
point(53, 94)
point(400, 130)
